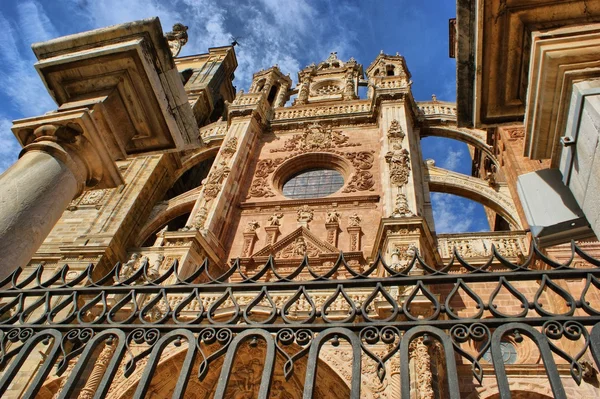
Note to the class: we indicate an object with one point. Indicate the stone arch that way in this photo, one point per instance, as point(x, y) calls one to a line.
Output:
point(519, 389)
point(499, 200)
point(169, 210)
point(170, 364)
point(200, 156)
point(467, 136)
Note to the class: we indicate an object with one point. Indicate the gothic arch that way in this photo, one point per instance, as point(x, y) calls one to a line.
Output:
point(445, 181)
point(467, 136)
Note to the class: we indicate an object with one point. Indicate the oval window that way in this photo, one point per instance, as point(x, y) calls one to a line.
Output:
point(313, 183)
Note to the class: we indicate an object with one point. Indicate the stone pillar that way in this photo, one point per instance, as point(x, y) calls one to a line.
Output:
point(101, 363)
point(354, 231)
point(332, 233)
point(55, 166)
point(272, 234)
point(421, 360)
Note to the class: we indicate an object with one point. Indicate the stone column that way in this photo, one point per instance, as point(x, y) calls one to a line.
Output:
point(421, 360)
point(332, 233)
point(54, 167)
point(93, 381)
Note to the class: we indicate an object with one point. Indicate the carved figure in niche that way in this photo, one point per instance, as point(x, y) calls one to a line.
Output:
point(399, 162)
point(177, 38)
point(333, 216)
point(354, 220)
point(299, 247)
point(401, 207)
point(305, 214)
point(395, 130)
point(129, 268)
point(251, 226)
point(275, 219)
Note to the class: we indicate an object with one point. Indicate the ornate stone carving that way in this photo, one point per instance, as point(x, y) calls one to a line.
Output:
point(130, 267)
point(399, 162)
point(316, 137)
point(212, 187)
point(333, 216)
point(360, 181)
point(297, 249)
point(354, 220)
point(199, 218)
point(402, 255)
point(401, 207)
point(177, 38)
point(266, 166)
point(395, 131)
point(305, 214)
point(275, 219)
point(251, 226)
point(362, 160)
point(419, 354)
point(229, 148)
point(260, 187)
point(95, 377)
point(516, 133)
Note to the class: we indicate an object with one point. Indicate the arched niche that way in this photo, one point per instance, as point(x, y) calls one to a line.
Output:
point(175, 219)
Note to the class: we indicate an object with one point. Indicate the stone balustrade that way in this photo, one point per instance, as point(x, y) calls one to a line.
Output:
point(356, 107)
point(437, 109)
point(511, 244)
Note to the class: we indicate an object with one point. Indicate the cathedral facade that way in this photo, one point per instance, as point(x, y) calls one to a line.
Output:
point(278, 242)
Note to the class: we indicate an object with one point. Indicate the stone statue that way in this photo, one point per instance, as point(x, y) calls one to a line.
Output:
point(275, 218)
point(177, 38)
point(154, 270)
point(305, 214)
point(129, 268)
point(299, 247)
point(354, 220)
point(251, 226)
point(332, 217)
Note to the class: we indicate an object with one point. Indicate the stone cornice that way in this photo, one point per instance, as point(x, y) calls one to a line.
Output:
point(288, 203)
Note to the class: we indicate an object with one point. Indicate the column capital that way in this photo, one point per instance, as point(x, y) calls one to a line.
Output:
point(74, 138)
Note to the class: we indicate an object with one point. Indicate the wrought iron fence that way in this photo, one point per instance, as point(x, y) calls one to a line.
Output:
point(299, 310)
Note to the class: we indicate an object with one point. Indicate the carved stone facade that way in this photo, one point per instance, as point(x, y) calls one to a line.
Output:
point(367, 195)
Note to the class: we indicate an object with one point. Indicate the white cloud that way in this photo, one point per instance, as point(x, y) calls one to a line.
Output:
point(452, 214)
point(9, 147)
point(453, 159)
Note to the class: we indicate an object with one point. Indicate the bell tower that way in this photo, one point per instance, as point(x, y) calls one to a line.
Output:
point(273, 84)
point(331, 80)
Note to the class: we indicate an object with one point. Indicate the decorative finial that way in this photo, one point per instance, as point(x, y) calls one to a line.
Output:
point(177, 38)
point(381, 52)
point(397, 54)
point(433, 98)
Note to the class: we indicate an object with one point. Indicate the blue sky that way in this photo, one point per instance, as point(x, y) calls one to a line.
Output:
point(290, 33)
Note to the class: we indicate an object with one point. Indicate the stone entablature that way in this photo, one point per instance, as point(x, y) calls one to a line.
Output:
point(473, 245)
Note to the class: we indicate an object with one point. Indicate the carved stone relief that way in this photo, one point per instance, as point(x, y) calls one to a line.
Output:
point(401, 207)
point(316, 137)
point(399, 162)
point(395, 130)
point(214, 181)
